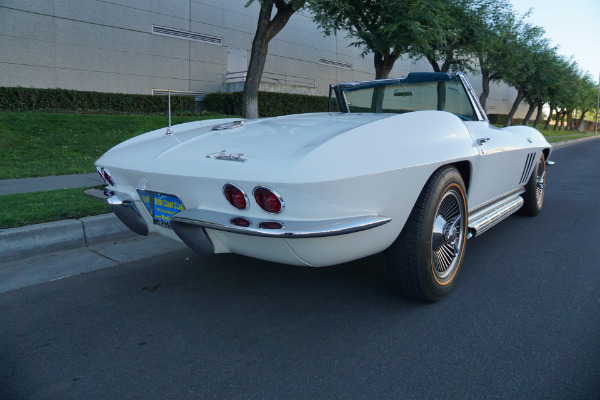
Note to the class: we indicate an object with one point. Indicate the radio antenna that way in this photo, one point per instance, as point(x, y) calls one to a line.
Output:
point(169, 131)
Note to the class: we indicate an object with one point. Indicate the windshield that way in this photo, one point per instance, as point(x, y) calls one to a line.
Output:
point(404, 95)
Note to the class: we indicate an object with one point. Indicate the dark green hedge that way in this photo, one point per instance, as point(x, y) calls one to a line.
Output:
point(501, 119)
point(270, 104)
point(28, 99)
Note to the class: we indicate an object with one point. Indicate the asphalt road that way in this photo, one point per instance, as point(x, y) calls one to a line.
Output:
point(522, 322)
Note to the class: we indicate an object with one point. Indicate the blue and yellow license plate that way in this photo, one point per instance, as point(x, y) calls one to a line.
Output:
point(162, 207)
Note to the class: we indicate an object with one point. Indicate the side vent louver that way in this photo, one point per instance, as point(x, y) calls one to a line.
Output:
point(333, 63)
point(527, 170)
point(199, 37)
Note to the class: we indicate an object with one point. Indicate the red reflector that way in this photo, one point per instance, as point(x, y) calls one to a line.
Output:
point(268, 200)
point(270, 225)
point(107, 177)
point(239, 221)
point(235, 196)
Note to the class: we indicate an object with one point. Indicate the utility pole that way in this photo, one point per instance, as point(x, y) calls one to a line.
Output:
point(597, 104)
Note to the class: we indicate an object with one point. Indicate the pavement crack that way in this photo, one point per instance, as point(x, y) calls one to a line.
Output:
point(104, 255)
point(85, 239)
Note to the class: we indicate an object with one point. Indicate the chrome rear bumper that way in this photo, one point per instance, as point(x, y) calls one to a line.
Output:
point(189, 225)
point(290, 229)
point(123, 207)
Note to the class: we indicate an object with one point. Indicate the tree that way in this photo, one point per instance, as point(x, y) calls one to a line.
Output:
point(559, 74)
point(266, 30)
point(586, 98)
point(388, 29)
point(545, 68)
point(566, 95)
point(461, 20)
point(473, 31)
point(495, 37)
point(529, 47)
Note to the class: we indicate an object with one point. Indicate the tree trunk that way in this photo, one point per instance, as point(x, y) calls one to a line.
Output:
point(434, 64)
point(547, 125)
point(538, 117)
point(570, 122)
point(562, 119)
point(559, 115)
point(532, 107)
point(448, 62)
point(383, 66)
point(485, 84)
point(514, 108)
point(441, 96)
point(266, 29)
point(581, 119)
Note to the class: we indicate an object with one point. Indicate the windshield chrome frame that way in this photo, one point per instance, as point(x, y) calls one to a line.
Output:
point(481, 115)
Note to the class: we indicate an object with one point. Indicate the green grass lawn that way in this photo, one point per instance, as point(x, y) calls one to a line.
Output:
point(552, 139)
point(45, 144)
point(55, 205)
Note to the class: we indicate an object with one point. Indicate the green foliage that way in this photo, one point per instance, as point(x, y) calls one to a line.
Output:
point(386, 28)
point(28, 99)
point(270, 104)
point(498, 119)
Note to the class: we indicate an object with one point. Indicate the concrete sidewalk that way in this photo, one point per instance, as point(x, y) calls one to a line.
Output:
point(28, 185)
point(40, 253)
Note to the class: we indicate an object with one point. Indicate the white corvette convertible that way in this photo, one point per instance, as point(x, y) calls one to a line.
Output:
point(410, 167)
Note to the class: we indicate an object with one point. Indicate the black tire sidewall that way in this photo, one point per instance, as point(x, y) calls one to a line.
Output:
point(450, 179)
point(409, 259)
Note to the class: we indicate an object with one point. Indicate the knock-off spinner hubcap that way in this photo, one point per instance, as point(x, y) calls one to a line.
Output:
point(540, 182)
point(447, 236)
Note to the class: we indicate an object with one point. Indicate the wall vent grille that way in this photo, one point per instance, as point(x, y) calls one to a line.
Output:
point(199, 37)
point(333, 63)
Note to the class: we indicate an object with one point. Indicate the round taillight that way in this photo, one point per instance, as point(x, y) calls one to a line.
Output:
point(268, 200)
point(108, 177)
point(235, 196)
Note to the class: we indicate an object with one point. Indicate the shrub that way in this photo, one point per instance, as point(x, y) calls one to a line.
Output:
point(501, 119)
point(29, 99)
point(271, 104)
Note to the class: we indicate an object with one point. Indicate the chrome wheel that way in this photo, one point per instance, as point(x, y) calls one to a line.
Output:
point(533, 198)
point(540, 182)
point(447, 236)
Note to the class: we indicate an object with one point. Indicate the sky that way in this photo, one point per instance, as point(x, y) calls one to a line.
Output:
point(573, 25)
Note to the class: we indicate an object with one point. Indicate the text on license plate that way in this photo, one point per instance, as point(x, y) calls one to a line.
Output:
point(161, 206)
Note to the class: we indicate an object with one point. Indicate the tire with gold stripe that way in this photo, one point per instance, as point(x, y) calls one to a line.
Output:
point(425, 259)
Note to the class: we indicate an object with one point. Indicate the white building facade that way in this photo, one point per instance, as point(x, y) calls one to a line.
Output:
point(137, 46)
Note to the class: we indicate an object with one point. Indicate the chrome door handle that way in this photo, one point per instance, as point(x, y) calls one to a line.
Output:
point(482, 140)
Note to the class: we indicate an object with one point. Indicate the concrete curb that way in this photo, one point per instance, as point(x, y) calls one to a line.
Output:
point(557, 145)
point(60, 235)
